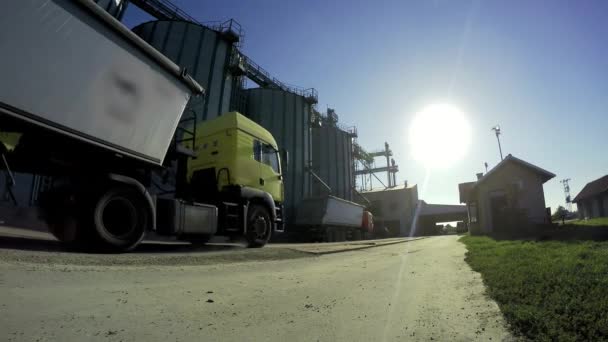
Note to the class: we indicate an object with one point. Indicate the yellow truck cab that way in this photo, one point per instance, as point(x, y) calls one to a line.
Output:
point(236, 166)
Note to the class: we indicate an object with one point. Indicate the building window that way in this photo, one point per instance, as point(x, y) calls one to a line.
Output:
point(473, 212)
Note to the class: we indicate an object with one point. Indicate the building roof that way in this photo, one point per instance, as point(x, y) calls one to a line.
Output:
point(546, 175)
point(593, 188)
point(466, 188)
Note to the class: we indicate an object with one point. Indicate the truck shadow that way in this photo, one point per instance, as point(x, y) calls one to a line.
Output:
point(30, 244)
point(151, 247)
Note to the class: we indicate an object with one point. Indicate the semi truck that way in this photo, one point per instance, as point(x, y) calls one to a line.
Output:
point(103, 116)
point(332, 219)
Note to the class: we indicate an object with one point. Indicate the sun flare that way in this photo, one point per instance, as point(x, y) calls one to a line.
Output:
point(439, 136)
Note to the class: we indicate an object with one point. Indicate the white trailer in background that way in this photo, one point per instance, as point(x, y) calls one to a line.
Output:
point(331, 219)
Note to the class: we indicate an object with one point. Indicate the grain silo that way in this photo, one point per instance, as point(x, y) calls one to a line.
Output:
point(332, 157)
point(287, 116)
point(206, 55)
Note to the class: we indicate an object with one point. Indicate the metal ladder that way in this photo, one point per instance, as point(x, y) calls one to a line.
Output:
point(9, 181)
point(232, 216)
point(163, 9)
point(186, 132)
point(182, 148)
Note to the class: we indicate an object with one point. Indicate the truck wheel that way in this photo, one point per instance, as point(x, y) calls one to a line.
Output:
point(356, 235)
point(64, 218)
point(68, 230)
point(259, 226)
point(120, 219)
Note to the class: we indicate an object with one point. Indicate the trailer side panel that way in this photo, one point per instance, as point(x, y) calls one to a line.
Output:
point(65, 68)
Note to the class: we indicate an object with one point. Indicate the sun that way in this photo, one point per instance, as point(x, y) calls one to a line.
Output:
point(439, 136)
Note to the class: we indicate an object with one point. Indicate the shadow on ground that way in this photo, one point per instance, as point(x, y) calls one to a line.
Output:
point(152, 247)
point(45, 253)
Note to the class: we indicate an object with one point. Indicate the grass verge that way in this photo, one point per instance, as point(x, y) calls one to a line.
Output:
point(594, 222)
point(547, 290)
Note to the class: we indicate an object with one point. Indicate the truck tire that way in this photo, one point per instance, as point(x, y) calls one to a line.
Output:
point(356, 235)
point(259, 226)
point(64, 218)
point(120, 219)
point(69, 231)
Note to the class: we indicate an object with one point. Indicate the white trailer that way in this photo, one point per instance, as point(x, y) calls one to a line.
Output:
point(330, 218)
point(71, 67)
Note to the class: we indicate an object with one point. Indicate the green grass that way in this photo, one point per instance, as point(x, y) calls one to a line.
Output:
point(547, 290)
point(594, 222)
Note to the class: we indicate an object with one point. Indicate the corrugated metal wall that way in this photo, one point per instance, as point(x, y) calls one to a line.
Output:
point(203, 52)
point(287, 117)
point(115, 8)
point(332, 155)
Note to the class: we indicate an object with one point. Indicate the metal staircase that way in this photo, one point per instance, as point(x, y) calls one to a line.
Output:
point(163, 10)
point(245, 66)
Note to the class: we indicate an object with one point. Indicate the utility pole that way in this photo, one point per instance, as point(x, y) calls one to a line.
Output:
point(567, 193)
point(496, 130)
point(387, 154)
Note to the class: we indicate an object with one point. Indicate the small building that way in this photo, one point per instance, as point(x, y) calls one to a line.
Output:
point(393, 208)
point(508, 199)
point(592, 201)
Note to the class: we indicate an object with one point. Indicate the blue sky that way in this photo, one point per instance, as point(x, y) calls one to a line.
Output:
point(537, 68)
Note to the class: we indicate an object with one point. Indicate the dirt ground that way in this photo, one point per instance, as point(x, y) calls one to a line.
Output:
point(419, 290)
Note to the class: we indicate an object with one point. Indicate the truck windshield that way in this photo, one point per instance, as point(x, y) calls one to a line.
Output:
point(270, 157)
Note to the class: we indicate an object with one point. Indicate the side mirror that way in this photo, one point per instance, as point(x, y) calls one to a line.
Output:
point(284, 161)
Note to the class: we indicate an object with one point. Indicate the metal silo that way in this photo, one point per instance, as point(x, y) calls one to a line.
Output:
point(116, 8)
point(204, 52)
point(287, 116)
point(332, 158)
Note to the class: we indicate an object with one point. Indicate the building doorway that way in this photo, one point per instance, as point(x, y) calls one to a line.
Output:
point(498, 204)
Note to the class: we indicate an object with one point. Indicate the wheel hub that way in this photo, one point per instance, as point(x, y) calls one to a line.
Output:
point(119, 217)
point(260, 226)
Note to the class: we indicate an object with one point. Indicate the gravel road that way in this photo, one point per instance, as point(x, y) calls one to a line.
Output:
point(419, 290)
